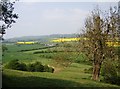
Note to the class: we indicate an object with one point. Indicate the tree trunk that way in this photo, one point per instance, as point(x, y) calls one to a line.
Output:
point(96, 71)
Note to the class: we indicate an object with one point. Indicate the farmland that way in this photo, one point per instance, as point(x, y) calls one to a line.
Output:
point(109, 43)
point(63, 44)
point(69, 66)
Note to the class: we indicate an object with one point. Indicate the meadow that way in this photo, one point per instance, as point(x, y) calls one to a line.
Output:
point(72, 75)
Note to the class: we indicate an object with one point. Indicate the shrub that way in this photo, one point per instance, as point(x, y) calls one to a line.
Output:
point(23, 67)
point(51, 70)
point(30, 67)
point(37, 63)
point(11, 64)
point(46, 68)
point(38, 67)
point(16, 65)
point(109, 72)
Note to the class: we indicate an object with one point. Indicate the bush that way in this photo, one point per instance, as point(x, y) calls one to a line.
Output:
point(38, 67)
point(51, 70)
point(48, 69)
point(32, 67)
point(23, 67)
point(16, 65)
point(109, 72)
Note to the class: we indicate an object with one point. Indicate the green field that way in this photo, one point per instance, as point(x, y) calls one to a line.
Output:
point(14, 52)
point(71, 76)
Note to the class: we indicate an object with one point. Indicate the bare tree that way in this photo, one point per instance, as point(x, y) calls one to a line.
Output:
point(100, 28)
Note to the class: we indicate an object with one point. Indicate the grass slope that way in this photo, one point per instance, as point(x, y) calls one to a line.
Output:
point(72, 76)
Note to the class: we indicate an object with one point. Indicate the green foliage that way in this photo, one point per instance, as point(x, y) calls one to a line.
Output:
point(38, 67)
point(51, 69)
point(82, 58)
point(48, 69)
point(110, 72)
point(23, 67)
point(32, 67)
point(16, 65)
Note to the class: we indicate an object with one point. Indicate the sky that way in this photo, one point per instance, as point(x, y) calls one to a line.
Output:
point(45, 18)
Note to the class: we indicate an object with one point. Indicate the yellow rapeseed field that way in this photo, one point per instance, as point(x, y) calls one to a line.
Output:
point(25, 43)
point(67, 39)
point(115, 44)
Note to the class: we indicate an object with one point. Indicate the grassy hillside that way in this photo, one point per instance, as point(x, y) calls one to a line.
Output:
point(15, 52)
point(73, 75)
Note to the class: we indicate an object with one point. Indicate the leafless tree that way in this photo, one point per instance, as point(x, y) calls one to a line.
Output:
point(100, 27)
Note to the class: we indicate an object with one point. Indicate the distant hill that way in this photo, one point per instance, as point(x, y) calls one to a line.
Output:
point(43, 38)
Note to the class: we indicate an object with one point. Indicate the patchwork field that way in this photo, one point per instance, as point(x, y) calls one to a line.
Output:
point(109, 43)
point(65, 75)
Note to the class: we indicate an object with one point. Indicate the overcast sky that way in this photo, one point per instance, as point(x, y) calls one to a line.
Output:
point(44, 18)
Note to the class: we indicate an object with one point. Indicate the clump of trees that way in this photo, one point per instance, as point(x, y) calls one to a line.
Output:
point(31, 67)
point(16, 65)
point(100, 27)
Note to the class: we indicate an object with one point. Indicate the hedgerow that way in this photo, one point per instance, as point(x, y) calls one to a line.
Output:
point(31, 67)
